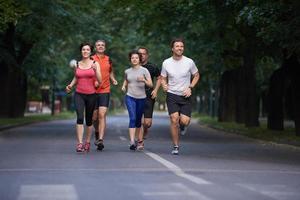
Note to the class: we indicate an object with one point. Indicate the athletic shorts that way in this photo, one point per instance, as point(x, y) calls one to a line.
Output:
point(102, 100)
point(149, 105)
point(179, 104)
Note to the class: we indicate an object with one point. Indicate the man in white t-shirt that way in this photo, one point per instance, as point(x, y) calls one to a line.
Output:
point(179, 76)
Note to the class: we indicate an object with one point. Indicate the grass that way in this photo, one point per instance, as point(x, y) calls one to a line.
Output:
point(286, 136)
point(35, 118)
point(32, 118)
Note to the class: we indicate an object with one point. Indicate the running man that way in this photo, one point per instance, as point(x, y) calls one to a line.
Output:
point(103, 92)
point(151, 95)
point(179, 76)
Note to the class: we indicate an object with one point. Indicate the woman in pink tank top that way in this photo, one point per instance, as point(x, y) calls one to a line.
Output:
point(85, 98)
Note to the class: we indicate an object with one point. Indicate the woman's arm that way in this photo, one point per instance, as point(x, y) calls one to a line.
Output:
point(124, 86)
point(70, 86)
point(148, 81)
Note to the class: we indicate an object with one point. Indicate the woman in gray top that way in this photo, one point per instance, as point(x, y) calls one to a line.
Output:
point(135, 79)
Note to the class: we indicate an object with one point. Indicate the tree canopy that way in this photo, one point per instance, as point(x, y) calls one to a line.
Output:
point(38, 38)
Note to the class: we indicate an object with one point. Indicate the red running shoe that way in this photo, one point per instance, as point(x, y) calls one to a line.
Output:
point(87, 146)
point(79, 148)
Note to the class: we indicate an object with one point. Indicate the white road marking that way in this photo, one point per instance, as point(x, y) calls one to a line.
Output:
point(178, 189)
point(191, 192)
point(166, 194)
point(48, 192)
point(123, 138)
point(279, 192)
point(176, 170)
point(172, 167)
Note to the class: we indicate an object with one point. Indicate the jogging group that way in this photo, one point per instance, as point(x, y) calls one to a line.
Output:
point(94, 75)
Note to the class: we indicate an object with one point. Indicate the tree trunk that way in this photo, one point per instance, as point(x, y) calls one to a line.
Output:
point(240, 96)
point(227, 100)
point(251, 101)
point(275, 100)
point(12, 78)
point(13, 100)
point(294, 74)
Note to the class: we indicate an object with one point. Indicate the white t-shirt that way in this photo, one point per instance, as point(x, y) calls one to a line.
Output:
point(136, 88)
point(179, 73)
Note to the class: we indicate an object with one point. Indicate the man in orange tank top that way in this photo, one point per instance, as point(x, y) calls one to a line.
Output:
point(103, 92)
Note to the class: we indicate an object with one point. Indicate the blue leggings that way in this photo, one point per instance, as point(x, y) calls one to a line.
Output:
point(135, 109)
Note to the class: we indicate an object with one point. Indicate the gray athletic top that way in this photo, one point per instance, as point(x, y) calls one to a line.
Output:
point(136, 88)
point(179, 73)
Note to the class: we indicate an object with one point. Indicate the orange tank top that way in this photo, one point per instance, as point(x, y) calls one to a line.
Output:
point(106, 68)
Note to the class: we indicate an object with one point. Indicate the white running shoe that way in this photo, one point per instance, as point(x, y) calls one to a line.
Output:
point(175, 150)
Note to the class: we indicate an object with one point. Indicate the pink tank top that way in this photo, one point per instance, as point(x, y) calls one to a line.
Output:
point(85, 80)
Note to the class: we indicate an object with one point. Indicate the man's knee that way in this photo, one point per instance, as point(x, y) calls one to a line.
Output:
point(185, 121)
point(147, 123)
point(174, 119)
point(102, 113)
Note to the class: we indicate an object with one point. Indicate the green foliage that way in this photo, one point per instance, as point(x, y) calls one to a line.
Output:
point(275, 22)
point(10, 12)
point(214, 32)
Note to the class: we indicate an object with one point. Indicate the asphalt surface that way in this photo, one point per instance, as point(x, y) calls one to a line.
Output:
point(39, 161)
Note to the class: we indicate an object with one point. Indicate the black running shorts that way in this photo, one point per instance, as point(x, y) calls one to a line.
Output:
point(102, 100)
point(179, 104)
point(149, 105)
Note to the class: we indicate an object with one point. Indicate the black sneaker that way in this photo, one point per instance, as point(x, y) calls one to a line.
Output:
point(100, 147)
point(175, 150)
point(99, 144)
point(132, 147)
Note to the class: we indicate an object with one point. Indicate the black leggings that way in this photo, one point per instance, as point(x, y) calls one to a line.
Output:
point(85, 102)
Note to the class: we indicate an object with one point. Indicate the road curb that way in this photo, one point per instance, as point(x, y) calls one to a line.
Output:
point(6, 127)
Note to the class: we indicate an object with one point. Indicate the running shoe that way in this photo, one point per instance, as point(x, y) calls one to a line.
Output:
point(100, 145)
point(140, 146)
point(175, 150)
point(87, 146)
point(132, 147)
point(79, 148)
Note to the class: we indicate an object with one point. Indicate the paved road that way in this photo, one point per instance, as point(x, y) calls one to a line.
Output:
point(39, 162)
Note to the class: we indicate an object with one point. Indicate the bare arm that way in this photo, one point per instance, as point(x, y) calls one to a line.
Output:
point(70, 86)
point(195, 79)
point(112, 77)
point(157, 86)
point(98, 73)
point(148, 82)
point(164, 83)
point(124, 86)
